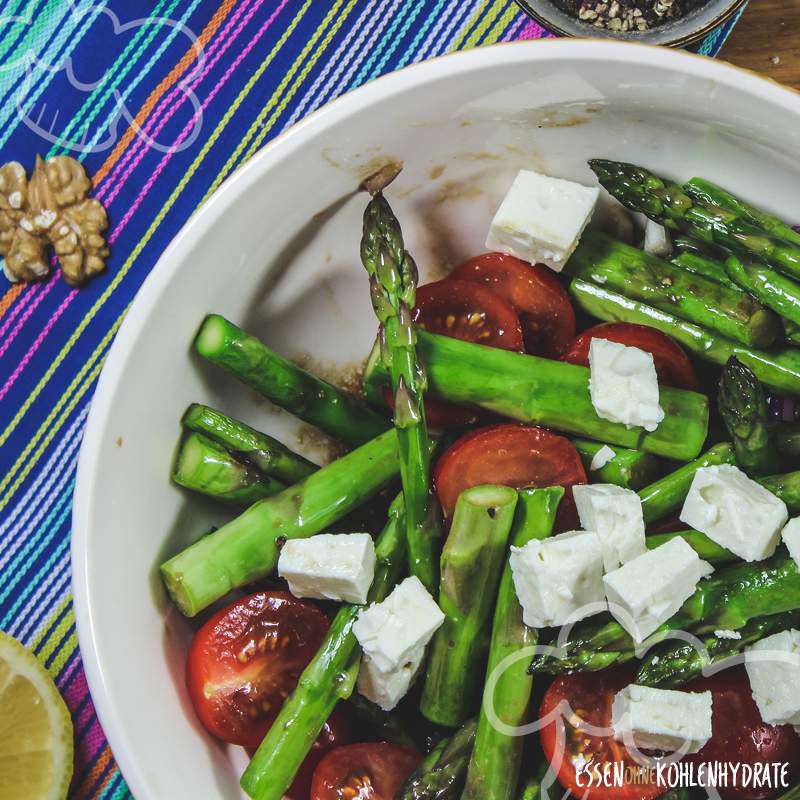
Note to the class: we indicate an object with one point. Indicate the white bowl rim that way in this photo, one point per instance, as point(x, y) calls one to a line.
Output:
point(629, 53)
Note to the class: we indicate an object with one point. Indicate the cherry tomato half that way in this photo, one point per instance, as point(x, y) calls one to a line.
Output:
point(511, 455)
point(470, 312)
point(672, 364)
point(739, 735)
point(247, 658)
point(546, 314)
point(583, 758)
point(373, 771)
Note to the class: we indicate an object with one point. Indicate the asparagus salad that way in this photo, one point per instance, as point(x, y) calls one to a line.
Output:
point(558, 556)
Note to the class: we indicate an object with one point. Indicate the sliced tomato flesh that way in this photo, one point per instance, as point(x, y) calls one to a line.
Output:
point(543, 305)
point(470, 312)
point(739, 735)
point(374, 771)
point(247, 658)
point(573, 707)
point(513, 455)
point(673, 366)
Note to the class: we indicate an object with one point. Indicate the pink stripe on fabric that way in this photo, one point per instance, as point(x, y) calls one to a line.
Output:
point(219, 44)
point(18, 306)
point(39, 291)
point(37, 342)
point(512, 31)
point(185, 132)
point(533, 30)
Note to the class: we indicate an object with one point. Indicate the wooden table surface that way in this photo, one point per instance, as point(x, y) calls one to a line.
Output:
point(767, 40)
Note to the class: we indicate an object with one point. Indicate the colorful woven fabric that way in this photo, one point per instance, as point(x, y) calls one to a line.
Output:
point(160, 109)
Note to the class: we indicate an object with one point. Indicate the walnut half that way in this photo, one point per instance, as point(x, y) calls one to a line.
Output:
point(51, 210)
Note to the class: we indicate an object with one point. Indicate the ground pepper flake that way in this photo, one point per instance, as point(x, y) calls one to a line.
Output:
point(634, 16)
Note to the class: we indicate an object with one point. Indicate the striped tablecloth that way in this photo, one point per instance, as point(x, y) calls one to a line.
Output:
point(160, 109)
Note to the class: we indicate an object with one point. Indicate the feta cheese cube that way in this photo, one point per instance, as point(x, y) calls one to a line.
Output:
point(391, 633)
point(602, 457)
point(615, 515)
point(647, 591)
point(791, 538)
point(387, 689)
point(541, 219)
point(662, 719)
point(559, 580)
point(773, 666)
point(726, 634)
point(623, 384)
point(656, 239)
point(735, 511)
point(329, 566)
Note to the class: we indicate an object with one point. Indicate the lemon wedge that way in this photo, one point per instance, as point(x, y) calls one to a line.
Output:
point(36, 747)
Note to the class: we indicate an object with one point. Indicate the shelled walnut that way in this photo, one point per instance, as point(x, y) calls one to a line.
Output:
point(51, 210)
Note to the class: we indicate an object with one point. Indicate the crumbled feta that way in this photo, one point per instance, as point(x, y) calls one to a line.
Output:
point(623, 384)
point(773, 666)
point(615, 515)
point(656, 240)
point(387, 689)
point(391, 633)
point(791, 538)
point(647, 591)
point(329, 566)
point(726, 634)
point(734, 511)
point(541, 219)
point(602, 457)
point(559, 580)
point(662, 719)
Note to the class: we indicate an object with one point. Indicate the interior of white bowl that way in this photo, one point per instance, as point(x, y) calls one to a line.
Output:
point(276, 250)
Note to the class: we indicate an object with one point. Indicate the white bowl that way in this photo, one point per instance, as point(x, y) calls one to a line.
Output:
point(276, 250)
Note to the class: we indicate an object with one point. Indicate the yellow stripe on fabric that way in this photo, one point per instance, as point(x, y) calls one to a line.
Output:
point(62, 403)
point(476, 15)
point(56, 612)
point(129, 262)
point(66, 651)
point(484, 24)
point(259, 120)
point(54, 637)
point(508, 16)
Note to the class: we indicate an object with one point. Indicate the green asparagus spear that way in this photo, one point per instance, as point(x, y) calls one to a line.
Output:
point(441, 775)
point(707, 267)
point(496, 758)
point(743, 407)
point(728, 600)
point(666, 495)
point(704, 547)
point(329, 677)
point(774, 290)
point(472, 561)
point(667, 203)
point(630, 469)
point(778, 369)
point(787, 438)
point(338, 413)
point(791, 794)
point(786, 487)
point(532, 786)
point(704, 191)
point(622, 268)
point(203, 466)
point(247, 444)
point(675, 662)
point(247, 547)
point(551, 393)
point(393, 286)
